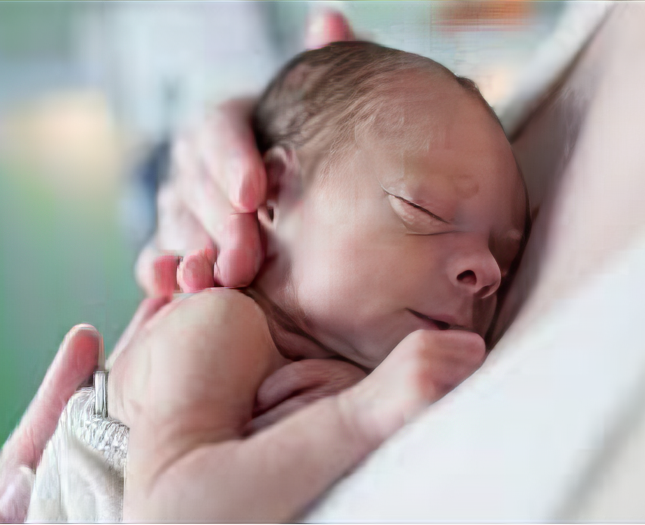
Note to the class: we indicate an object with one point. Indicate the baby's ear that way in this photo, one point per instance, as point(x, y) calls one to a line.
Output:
point(283, 182)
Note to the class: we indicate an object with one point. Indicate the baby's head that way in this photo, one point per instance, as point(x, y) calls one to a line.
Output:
point(395, 202)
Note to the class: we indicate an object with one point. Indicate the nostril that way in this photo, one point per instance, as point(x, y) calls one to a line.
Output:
point(467, 277)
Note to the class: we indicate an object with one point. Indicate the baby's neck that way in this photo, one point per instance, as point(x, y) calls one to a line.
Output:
point(290, 338)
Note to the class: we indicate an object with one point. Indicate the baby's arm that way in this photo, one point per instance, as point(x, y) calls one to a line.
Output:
point(275, 474)
point(194, 375)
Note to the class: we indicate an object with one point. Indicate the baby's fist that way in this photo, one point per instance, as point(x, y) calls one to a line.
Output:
point(423, 368)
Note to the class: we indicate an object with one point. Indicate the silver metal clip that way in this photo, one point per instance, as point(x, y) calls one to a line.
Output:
point(100, 385)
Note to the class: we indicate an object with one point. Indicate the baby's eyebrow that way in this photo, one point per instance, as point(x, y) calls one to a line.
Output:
point(421, 208)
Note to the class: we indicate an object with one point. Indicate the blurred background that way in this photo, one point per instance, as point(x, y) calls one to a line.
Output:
point(88, 92)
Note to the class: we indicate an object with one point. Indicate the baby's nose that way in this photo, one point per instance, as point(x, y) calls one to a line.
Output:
point(477, 273)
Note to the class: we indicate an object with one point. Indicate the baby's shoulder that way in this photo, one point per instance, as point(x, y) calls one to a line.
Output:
point(229, 305)
point(210, 349)
point(234, 320)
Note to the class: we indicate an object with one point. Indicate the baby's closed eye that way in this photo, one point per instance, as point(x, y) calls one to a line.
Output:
point(417, 219)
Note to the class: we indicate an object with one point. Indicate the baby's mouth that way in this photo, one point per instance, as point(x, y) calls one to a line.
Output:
point(434, 323)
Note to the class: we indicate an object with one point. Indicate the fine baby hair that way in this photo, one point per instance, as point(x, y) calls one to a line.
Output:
point(337, 87)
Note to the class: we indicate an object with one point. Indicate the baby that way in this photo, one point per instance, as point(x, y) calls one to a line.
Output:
point(395, 211)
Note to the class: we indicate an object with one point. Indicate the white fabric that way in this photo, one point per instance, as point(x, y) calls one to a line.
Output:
point(550, 60)
point(75, 481)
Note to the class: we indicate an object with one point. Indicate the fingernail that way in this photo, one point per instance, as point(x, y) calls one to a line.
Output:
point(89, 329)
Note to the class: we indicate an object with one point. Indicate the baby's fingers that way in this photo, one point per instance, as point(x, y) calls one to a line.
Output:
point(424, 367)
point(445, 359)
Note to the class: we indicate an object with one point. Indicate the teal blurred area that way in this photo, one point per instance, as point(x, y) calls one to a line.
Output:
point(64, 256)
point(62, 262)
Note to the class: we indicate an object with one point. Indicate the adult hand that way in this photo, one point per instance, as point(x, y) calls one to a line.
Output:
point(73, 365)
point(207, 211)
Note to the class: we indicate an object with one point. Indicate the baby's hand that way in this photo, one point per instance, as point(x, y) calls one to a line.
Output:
point(423, 368)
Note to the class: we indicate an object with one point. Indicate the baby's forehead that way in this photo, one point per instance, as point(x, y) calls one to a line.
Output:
point(419, 109)
point(419, 125)
point(438, 132)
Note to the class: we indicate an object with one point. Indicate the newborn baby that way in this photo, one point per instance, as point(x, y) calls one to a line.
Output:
point(394, 206)
point(395, 211)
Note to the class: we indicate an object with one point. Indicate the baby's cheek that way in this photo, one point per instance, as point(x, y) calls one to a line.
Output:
point(342, 292)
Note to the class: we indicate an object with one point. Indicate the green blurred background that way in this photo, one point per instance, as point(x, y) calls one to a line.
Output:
point(64, 258)
point(87, 90)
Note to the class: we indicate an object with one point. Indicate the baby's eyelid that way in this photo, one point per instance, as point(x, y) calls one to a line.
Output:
point(417, 221)
point(422, 209)
point(417, 207)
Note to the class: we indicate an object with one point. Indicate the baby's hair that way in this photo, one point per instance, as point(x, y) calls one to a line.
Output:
point(339, 87)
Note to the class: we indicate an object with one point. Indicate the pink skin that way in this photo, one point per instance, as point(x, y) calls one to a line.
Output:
point(341, 284)
point(325, 27)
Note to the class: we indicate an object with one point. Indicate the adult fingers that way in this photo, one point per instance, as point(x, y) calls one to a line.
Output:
point(218, 182)
point(195, 273)
point(326, 26)
point(232, 158)
point(239, 248)
point(218, 161)
point(178, 232)
point(156, 272)
point(76, 360)
point(240, 253)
